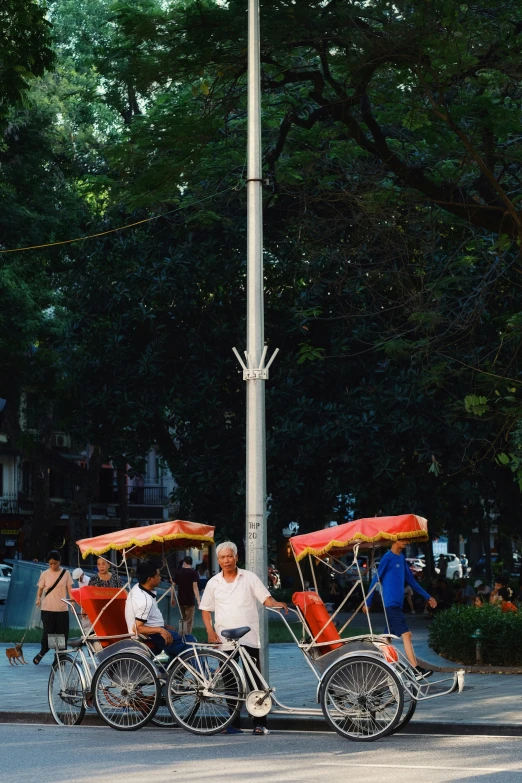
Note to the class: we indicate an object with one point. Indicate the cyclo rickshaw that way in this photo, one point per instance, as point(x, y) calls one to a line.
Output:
point(366, 687)
point(107, 667)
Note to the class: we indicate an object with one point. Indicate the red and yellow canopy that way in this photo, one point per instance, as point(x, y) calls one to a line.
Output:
point(153, 539)
point(372, 531)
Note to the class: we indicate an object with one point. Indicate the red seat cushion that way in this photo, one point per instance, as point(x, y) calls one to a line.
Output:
point(316, 616)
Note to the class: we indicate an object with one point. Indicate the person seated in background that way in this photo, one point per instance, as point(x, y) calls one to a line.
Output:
point(478, 601)
point(104, 577)
point(443, 594)
point(500, 583)
point(505, 598)
point(482, 589)
point(143, 616)
point(465, 594)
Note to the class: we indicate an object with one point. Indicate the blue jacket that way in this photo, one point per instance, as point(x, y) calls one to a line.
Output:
point(393, 573)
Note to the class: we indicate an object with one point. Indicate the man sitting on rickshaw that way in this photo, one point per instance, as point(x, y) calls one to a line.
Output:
point(143, 616)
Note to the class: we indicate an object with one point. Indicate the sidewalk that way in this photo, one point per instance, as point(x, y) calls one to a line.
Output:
point(490, 703)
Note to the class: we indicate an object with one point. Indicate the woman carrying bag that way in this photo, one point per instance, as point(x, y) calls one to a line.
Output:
point(54, 584)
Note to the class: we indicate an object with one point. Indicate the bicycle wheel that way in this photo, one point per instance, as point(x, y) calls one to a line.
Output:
point(408, 711)
point(163, 716)
point(66, 691)
point(205, 691)
point(126, 691)
point(362, 698)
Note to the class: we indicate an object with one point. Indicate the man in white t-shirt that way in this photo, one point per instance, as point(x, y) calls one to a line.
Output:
point(233, 595)
point(143, 616)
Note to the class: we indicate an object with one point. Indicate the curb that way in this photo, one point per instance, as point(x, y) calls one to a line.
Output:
point(294, 723)
point(469, 669)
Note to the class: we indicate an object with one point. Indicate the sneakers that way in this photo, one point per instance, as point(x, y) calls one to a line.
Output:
point(421, 672)
point(260, 730)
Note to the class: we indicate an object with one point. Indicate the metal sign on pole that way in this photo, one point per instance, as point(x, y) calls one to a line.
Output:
point(255, 373)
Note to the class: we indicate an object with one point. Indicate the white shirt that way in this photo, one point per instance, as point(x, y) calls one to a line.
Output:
point(141, 605)
point(235, 603)
point(84, 581)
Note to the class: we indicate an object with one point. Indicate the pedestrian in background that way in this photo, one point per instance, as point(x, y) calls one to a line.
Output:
point(82, 579)
point(53, 585)
point(187, 580)
point(203, 577)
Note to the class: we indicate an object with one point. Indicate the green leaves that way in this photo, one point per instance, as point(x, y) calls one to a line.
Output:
point(309, 353)
point(476, 405)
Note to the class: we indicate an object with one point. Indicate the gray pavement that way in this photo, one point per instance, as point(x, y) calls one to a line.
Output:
point(490, 700)
point(52, 754)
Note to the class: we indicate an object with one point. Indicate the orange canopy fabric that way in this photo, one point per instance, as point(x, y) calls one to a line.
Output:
point(373, 531)
point(153, 539)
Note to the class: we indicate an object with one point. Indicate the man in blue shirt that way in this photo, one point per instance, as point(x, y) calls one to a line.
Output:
point(393, 573)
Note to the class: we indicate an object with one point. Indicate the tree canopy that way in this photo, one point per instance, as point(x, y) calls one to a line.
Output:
point(392, 263)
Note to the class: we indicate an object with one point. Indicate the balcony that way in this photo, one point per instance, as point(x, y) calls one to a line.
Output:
point(147, 496)
point(15, 503)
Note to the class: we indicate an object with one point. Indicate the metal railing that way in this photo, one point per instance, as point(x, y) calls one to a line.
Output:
point(10, 503)
point(147, 496)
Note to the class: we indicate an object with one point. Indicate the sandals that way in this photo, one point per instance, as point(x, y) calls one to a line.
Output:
point(260, 731)
point(37, 659)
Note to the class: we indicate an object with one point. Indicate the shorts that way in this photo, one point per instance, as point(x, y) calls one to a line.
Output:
point(397, 624)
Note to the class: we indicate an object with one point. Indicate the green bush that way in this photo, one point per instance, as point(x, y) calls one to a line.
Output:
point(451, 632)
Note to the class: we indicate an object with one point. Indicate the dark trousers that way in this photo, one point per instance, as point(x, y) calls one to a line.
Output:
point(177, 645)
point(53, 622)
point(254, 654)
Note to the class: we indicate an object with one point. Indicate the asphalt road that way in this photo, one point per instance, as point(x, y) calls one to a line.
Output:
point(52, 754)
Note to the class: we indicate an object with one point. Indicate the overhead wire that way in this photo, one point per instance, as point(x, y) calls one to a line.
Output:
point(236, 187)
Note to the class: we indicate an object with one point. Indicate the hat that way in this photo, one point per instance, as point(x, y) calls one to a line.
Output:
point(77, 573)
point(478, 582)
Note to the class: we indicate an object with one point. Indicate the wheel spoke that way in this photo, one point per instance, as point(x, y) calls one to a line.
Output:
point(204, 692)
point(126, 691)
point(66, 691)
point(362, 699)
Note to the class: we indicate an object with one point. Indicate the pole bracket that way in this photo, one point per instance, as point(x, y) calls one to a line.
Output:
point(251, 373)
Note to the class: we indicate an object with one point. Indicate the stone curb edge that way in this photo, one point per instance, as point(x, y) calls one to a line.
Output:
point(468, 668)
point(294, 723)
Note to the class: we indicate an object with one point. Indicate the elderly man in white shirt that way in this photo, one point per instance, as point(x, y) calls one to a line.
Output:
point(233, 596)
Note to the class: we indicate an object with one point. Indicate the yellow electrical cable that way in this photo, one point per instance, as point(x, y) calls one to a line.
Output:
point(113, 230)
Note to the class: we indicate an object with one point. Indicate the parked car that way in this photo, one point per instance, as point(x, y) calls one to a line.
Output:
point(454, 567)
point(5, 578)
point(416, 564)
point(480, 565)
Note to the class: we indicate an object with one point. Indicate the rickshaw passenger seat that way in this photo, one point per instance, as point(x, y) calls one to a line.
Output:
point(112, 621)
point(316, 616)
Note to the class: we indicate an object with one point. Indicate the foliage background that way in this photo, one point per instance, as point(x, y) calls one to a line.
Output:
point(392, 263)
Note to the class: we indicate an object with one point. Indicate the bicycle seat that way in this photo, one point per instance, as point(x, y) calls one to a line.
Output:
point(75, 643)
point(235, 633)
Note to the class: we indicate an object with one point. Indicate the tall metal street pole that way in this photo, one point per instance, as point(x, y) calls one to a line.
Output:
point(254, 371)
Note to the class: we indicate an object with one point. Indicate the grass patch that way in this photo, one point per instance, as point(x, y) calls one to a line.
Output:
point(34, 635)
point(278, 633)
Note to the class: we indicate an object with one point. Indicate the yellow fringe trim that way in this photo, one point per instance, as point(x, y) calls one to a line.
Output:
point(151, 540)
point(360, 537)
